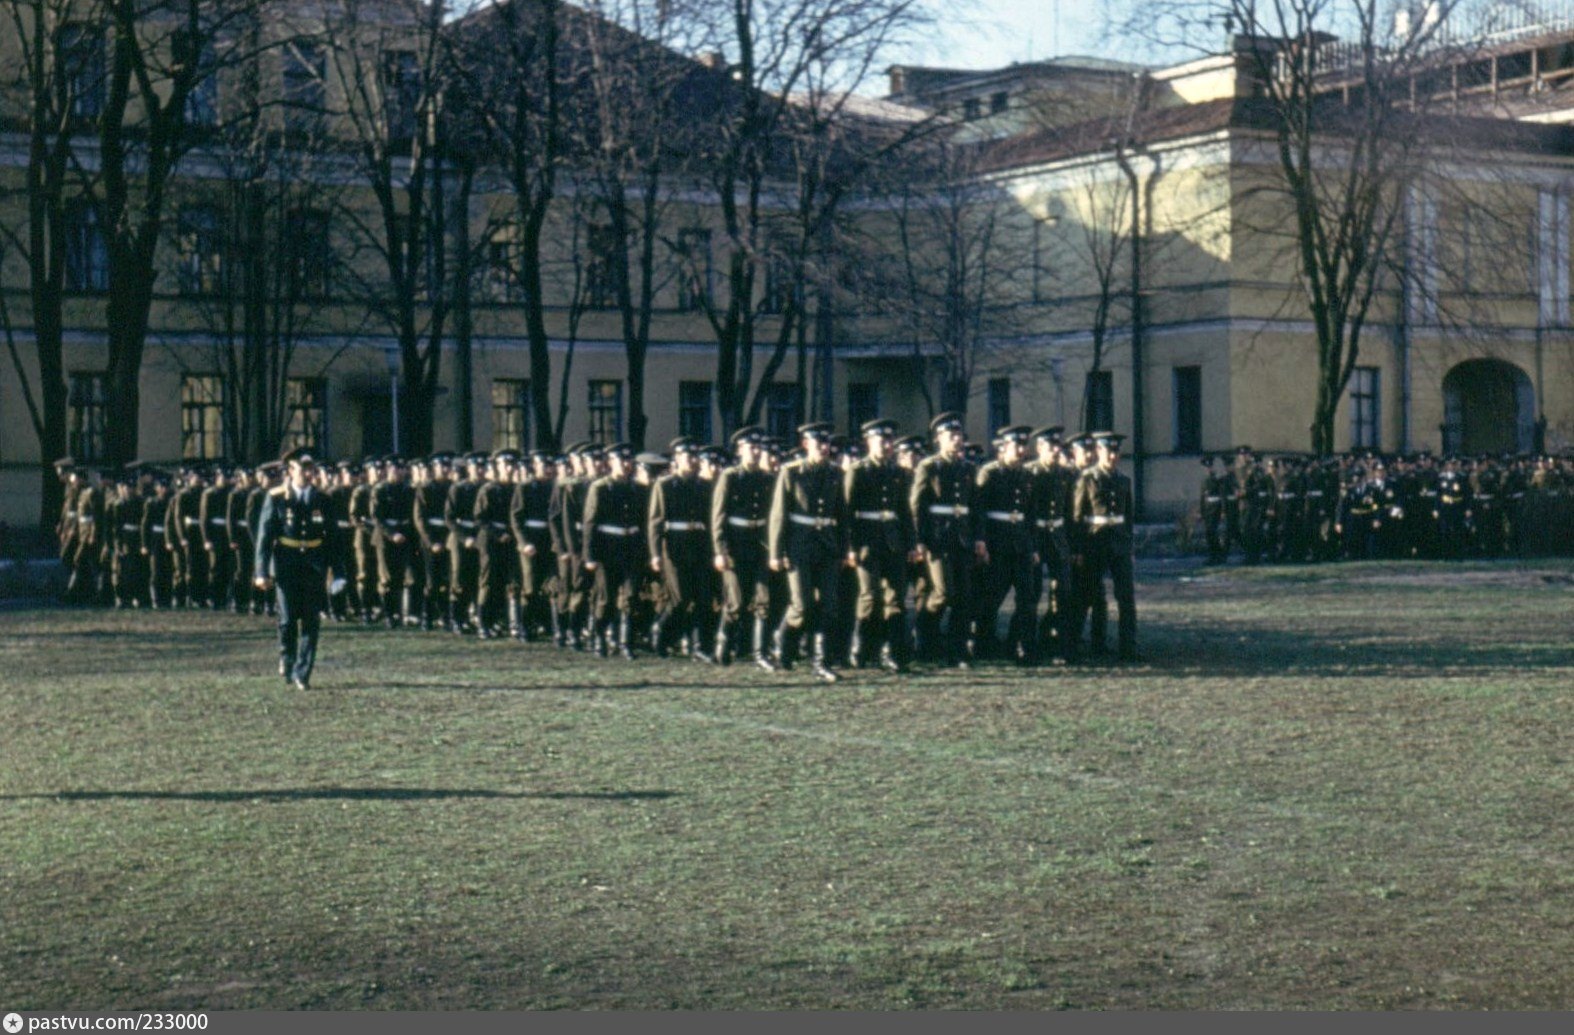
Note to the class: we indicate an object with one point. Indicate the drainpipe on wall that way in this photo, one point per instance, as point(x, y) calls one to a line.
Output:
point(1126, 144)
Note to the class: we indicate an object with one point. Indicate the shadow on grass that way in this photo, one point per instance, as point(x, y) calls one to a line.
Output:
point(342, 794)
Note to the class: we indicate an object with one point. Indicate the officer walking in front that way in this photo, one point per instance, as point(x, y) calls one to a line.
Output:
point(293, 551)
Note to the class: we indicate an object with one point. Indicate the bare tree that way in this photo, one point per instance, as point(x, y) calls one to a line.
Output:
point(389, 64)
point(773, 52)
point(43, 98)
point(1349, 134)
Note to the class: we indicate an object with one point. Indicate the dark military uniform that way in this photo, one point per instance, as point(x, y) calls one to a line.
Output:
point(427, 513)
point(293, 549)
point(808, 535)
point(363, 553)
point(1217, 487)
point(155, 516)
point(1051, 508)
point(880, 536)
point(528, 517)
point(464, 563)
point(392, 513)
point(740, 512)
point(679, 535)
point(1003, 521)
point(615, 550)
point(1102, 506)
point(214, 525)
point(941, 503)
point(495, 553)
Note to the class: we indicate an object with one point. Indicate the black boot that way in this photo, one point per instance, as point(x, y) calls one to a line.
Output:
point(819, 666)
point(697, 649)
point(601, 639)
point(726, 641)
point(785, 644)
point(762, 645)
point(658, 637)
point(626, 637)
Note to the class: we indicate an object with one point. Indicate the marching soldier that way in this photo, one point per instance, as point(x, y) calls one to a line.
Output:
point(1002, 522)
point(213, 525)
point(391, 510)
point(528, 517)
point(941, 503)
point(807, 539)
point(362, 531)
point(464, 563)
point(431, 526)
point(882, 546)
point(243, 546)
point(680, 553)
point(1216, 487)
point(1053, 481)
point(1102, 507)
point(155, 552)
point(615, 552)
point(740, 511)
point(494, 546)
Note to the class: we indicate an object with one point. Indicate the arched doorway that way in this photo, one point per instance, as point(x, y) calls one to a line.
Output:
point(1489, 406)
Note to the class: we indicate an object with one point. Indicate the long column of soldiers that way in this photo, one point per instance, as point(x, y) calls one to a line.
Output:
point(811, 553)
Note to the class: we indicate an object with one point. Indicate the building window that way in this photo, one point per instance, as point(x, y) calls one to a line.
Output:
point(972, 108)
point(999, 102)
point(201, 417)
point(304, 410)
point(201, 251)
point(310, 255)
point(1100, 412)
point(401, 93)
point(501, 273)
point(1365, 409)
point(305, 97)
point(863, 404)
point(781, 412)
point(510, 413)
point(87, 254)
point(779, 288)
point(694, 409)
point(694, 269)
point(1187, 391)
point(79, 49)
point(999, 404)
point(606, 411)
point(202, 102)
point(601, 289)
point(89, 408)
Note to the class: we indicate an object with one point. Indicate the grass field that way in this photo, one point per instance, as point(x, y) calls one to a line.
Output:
point(1325, 788)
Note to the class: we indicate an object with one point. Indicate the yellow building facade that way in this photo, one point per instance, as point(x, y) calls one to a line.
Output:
point(1482, 360)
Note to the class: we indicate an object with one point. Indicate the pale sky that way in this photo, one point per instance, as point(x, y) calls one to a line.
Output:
point(994, 33)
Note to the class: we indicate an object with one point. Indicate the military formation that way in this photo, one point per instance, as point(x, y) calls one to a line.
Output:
point(1289, 508)
point(812, 553)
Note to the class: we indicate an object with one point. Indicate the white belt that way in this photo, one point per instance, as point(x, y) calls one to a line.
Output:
point(1316, 492)
point(1484, 496)
point(1098, 520)
point(1213, 499)
point(1288, 495)
point(535, 523)
point(189, 521)
point(618, 529)
point(156, 529)
point(948, 509)
point(742, 522)
point(875, 515)
point(812, 522)
point(685, 526)
point(436, 523)
point(463, 523)
point(1050, 523)
point(218, 521)
point(1012, 516)
point(129, 528)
